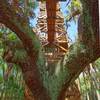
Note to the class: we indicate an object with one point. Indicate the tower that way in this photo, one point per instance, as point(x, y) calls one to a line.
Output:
point(52, 33)
point(54, 38)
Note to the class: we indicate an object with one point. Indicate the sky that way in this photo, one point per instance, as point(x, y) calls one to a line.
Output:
point(72, 29)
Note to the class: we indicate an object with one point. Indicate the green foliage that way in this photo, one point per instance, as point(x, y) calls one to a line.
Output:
point(20, 54)
point(33, 5)
point(52, 81)
point(7, 34)
point(76, 50)
point(13, 87)
point(11, 36)
point(89, 80)
point(74, 6)
point(88, 34)
point(97, 64)
point(9, 40)
point(28, 8)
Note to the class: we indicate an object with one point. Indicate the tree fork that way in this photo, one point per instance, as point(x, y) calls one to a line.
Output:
point(81, 57)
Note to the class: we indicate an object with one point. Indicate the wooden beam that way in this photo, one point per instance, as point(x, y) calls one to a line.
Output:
point(51, 4)
point(62, 48)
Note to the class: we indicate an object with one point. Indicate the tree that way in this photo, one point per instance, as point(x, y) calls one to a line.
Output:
point(89, 82)
point(86, 50)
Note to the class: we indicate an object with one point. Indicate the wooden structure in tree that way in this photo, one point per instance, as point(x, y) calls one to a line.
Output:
point(53, 36)
point(51, 30)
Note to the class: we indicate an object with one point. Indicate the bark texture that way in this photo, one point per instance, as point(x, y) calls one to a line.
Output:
point(32, 46)
point(88, 47)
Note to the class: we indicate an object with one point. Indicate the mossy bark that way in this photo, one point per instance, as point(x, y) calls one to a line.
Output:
point(31, 45)
point(88, 46)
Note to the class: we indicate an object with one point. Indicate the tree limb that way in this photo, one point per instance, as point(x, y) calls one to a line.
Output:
point(80, 54)
point(32, 46)
point(87, 49)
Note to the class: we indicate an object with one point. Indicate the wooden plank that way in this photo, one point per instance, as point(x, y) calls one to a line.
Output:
point(51, 4)
point(62, 48)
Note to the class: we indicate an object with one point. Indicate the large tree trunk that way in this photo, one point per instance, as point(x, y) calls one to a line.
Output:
point(80, 54)
point(88, 30)
point(32, 46)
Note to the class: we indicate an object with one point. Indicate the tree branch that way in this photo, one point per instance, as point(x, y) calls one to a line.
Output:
point(32, 46)
point(87, 49)
point(80, 54)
